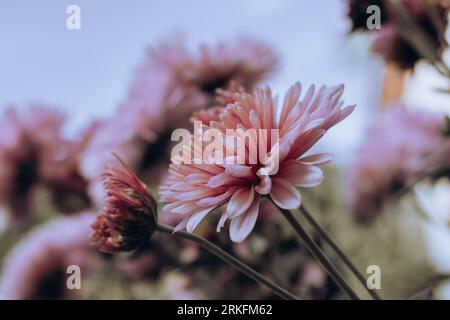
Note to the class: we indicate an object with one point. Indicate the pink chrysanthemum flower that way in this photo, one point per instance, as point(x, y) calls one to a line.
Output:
point(37, 267)
point(402, 146)
point(194, 190)
point(129, 216)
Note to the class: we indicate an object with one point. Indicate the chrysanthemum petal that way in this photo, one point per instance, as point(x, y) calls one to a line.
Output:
point(239, 171)
point(241, 226)
point(284, 194)
point(301, 175)
point(317, 159)
point(240, 201)
point(196, 218)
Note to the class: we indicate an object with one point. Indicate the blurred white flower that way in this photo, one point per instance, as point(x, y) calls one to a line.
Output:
point(434, 200)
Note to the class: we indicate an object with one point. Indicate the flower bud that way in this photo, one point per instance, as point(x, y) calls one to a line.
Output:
point(129, 216)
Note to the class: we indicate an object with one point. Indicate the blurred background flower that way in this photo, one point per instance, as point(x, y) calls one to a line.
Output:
point(36, 268)
point(430, 16)
point(403, 146)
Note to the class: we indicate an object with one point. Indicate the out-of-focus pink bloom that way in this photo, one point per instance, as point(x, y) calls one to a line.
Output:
point(35, 154)
point(129, 216)
point(68, 188)
point(389, 41)
point(148, 262)
point(165, 91)
point(179, 286)
point(194, 190)
point(37, 267)
point(137, 133)
point(29, 143)
point(196, 77)
point(400, 147)
point(125, 135)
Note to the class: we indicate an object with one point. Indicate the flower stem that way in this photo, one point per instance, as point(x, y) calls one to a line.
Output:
point(221, 254)
point(319, 255)
point(345, 259)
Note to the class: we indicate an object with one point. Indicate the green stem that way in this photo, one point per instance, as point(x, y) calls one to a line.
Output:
point(224, 256)
point(319, 255)
point(345, 259)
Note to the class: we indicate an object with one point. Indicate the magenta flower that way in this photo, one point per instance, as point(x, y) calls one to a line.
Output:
point(129, 216)
point(401, 146)
point(192, 191)
point(36, 267)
